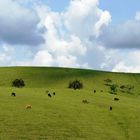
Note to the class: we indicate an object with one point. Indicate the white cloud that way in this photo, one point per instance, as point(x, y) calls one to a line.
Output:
point(123, 35)
point(18, 24)
point(68, 33)
point(84, 19)
point(137, 17)
point(126, 61)
point(42, 58)
point(122, 67)
point(72, 37)
point(67, 61)
point(6, 54)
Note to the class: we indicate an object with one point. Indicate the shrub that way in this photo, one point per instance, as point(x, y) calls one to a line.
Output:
point(108, 82)
point(122, 87)
point(113, 88)
point(127, 88)
point(75, 85)
point(18, 83)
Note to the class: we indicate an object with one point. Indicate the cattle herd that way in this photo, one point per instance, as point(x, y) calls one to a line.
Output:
point(110, 107)
point(53, 94)
point(13, 94)
point(50, 95)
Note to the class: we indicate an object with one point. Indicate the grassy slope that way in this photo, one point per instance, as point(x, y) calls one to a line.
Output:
point(65, 116)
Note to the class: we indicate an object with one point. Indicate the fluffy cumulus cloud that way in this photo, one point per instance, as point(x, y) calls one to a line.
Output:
point(6, 54)
point(85, 19)
point(18, 24)
point(131, 62)
point(124, 35)
point(137, 17)
point(65, 44)
point(68, 33)
point(79, 36)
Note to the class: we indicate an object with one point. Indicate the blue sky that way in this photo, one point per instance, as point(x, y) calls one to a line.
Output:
point(95, 34)
point(57, 6)
point(120, 10)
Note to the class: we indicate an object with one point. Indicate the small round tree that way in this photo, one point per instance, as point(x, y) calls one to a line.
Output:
point(19, 83)
point(113, 88)
point(75, 85)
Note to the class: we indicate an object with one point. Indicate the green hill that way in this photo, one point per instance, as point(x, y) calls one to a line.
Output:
point(64, 116)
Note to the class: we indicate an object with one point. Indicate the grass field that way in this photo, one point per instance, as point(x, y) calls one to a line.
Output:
point(64, 116)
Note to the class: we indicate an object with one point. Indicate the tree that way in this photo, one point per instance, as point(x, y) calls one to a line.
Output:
point(75, 85)
point(113, 88)
point(18, 83)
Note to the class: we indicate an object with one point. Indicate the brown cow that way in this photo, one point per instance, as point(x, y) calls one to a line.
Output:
point(28, 106)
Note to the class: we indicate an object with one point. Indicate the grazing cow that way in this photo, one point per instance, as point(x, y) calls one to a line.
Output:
point(116, 99)
point(49, 95)
point(13, 94)
point(94, 91)
point(110, 107)
point(53, 93)
point(28, 106)
point(85, 101)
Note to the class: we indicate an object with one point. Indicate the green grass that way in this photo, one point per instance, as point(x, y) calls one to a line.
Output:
point(64, 116)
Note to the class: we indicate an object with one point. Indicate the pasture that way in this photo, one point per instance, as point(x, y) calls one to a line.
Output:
point(64, 116)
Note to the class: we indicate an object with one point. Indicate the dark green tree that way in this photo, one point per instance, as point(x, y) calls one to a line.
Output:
point(19, 83)
point(75, 85)
point(113, 88)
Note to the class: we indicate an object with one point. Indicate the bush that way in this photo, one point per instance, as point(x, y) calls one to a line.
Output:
point(127, 88)
point(18, 83)
point(108, 82)
point(75, 85)
point(113, 88)
point(122, 87)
